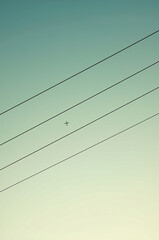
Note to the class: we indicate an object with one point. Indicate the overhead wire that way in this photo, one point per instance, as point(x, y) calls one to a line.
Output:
point(78, 73)
point(79, 103)
point(78, 129)
point(78, 153)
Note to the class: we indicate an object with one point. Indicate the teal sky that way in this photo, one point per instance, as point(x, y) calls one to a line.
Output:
point(111, 191)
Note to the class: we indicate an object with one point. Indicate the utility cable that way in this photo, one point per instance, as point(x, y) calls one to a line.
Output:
point(78, 129)
point(78, 153)
point(77, 104)
point(78, 73)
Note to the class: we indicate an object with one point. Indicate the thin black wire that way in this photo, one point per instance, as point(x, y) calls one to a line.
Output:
point(83, 101)
point(86, 125)
point(78, 153)
point(65, 80)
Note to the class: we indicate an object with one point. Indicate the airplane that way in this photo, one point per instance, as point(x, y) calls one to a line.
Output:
point(66, 123)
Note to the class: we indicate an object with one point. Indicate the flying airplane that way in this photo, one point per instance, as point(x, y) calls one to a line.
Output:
point(66, 123)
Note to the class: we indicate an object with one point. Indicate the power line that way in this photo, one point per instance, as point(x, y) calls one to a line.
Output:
point(78, 129)
point(78, 153)
point(81, 102)
point(74, 75)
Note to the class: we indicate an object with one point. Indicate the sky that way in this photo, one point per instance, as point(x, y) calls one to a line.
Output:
point(110, 191)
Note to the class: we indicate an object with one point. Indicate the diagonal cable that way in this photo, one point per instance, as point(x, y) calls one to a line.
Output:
point(81, 102)
point(78, 153)
point(78, 73)
point(78, 129)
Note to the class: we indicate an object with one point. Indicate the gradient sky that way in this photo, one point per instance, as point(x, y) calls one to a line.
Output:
point(111, 191)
